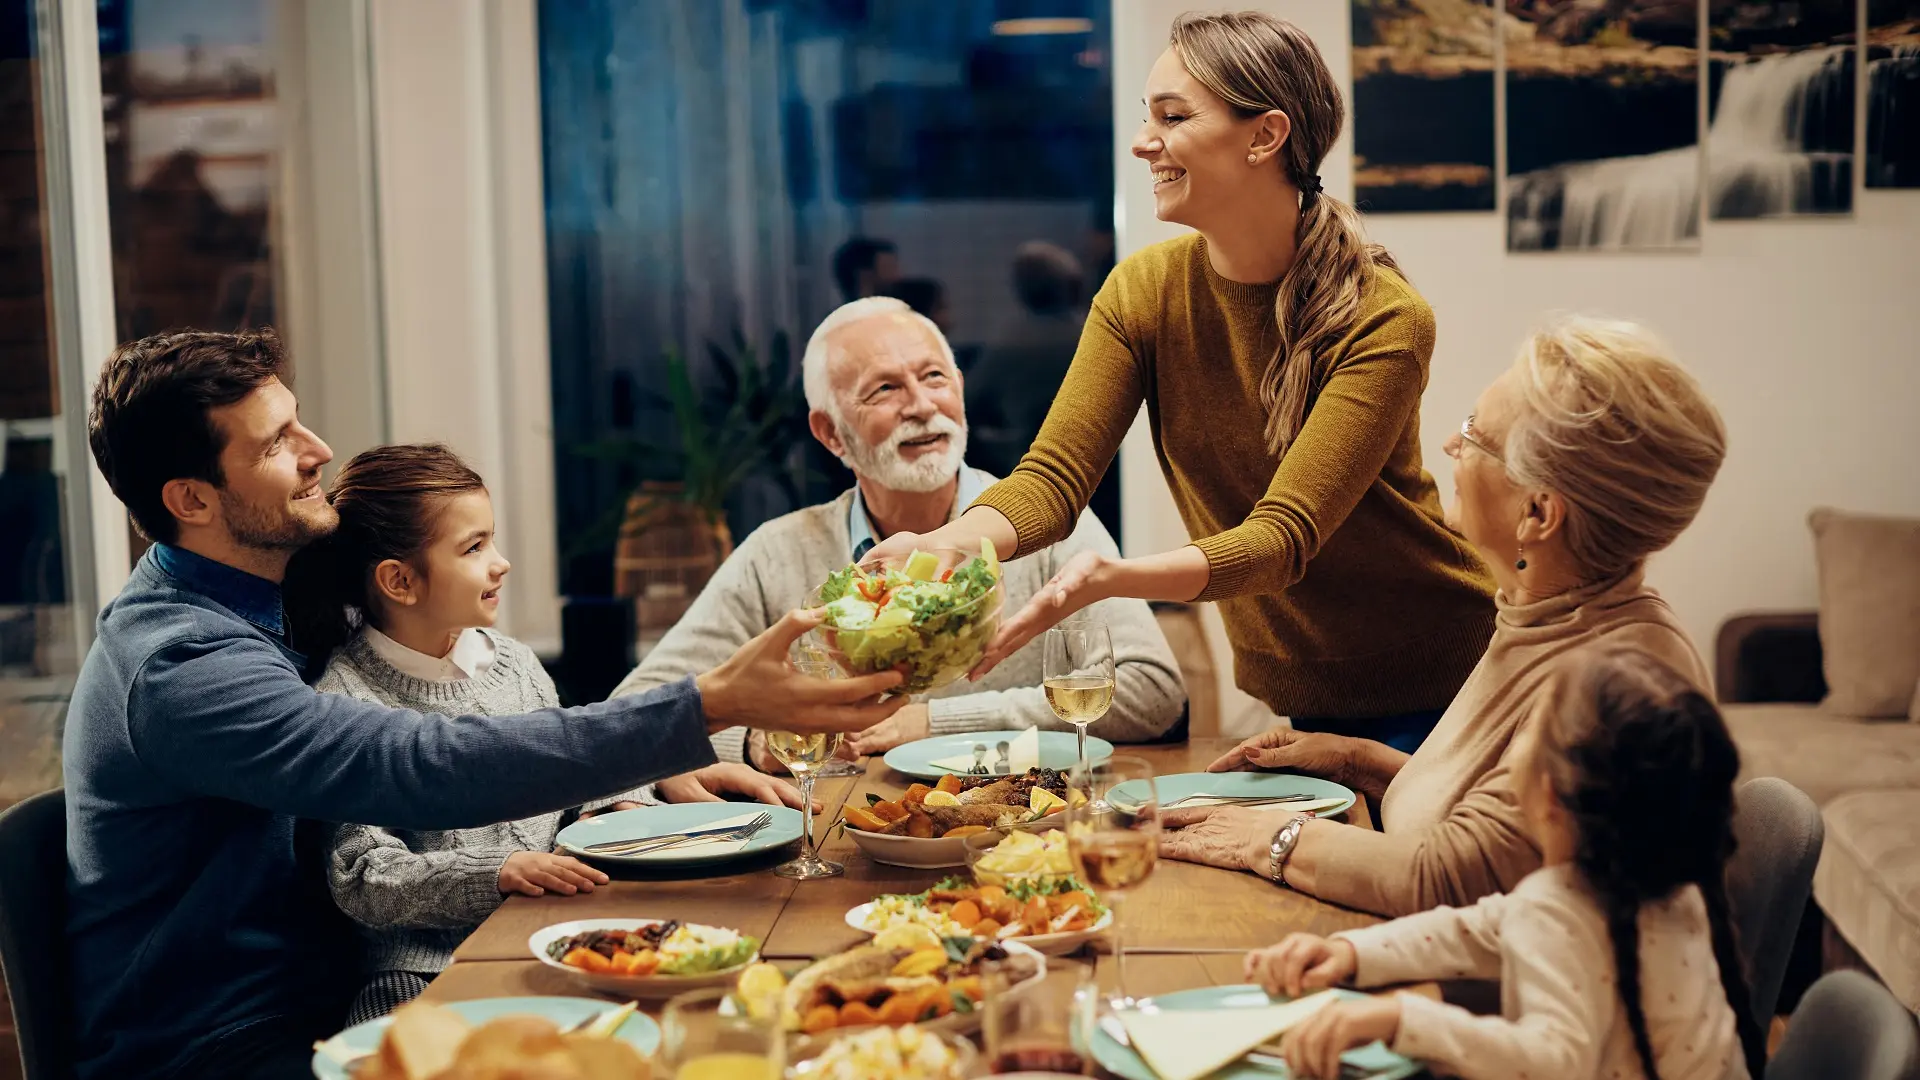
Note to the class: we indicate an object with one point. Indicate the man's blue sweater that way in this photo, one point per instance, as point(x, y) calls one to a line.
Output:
point(197, 763)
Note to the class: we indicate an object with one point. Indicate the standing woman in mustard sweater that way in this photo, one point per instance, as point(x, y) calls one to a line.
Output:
point(1281, 359)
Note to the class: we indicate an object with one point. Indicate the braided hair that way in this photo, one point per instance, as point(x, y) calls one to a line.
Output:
point(1644, 768)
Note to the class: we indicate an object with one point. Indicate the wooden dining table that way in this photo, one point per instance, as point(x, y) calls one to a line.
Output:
point(1189, 926)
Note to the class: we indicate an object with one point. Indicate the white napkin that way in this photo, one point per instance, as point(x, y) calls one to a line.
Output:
point(1023, 753)
point(706, 845)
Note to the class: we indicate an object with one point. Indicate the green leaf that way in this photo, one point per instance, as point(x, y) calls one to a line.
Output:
point(957, 948)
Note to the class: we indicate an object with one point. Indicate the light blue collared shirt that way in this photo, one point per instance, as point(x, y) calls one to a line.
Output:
point(973, 482)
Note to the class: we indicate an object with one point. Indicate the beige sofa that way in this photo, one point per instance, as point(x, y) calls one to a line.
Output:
point(1863, 773)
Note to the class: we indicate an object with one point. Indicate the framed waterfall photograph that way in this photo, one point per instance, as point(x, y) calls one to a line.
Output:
point(1893, 94)
point(1781, 83)
point(1603, 129)
point(1423, 111)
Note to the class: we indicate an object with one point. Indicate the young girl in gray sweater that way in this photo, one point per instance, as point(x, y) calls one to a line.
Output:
point(401, 601)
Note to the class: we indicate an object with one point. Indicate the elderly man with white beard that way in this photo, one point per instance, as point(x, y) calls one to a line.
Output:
point(885, 397)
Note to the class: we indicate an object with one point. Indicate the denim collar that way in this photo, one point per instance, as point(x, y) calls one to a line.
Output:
point(254, 599)
point(860, 536)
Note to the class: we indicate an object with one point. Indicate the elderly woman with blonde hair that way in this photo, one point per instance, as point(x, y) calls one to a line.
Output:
point(1591, 453)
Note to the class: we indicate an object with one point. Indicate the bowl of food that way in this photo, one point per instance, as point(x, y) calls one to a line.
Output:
point(650, 958)
point(930, 614)
point(910, 978)
point(926, 826)
point(1052, 915)
point(907, 1052)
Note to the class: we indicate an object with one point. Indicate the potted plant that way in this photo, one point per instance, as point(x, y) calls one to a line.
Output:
point(748, 421)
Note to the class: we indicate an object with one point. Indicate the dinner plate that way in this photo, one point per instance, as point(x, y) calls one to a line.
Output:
point(1045, 944)
point(1240, 785)
point(647, 986)
point(1058, 750)
point(1379, 1062)
point(639, 1031)
point(666, 818)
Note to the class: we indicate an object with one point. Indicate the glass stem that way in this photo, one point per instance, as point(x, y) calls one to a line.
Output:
point(1081, 731)
point(806, 800)
point(1119, 951)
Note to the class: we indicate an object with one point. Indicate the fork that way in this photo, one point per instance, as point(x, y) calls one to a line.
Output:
point(1240, 800)
point(651, 844)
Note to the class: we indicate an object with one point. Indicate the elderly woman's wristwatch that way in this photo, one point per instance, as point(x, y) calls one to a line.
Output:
point(1283, 844)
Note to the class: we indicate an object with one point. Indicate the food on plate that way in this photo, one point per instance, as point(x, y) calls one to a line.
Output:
point(430, 1042)
point(963, 805)
point(875, 984)
point(668, 948)
point(936, 623)
point(887, 1053)
point(1029, 907)
point(1023, 856)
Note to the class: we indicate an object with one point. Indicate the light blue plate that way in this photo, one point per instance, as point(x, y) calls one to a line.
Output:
point(638, 1030)
point(1237, 784)
point(1380, 1062)
point(680, 817)
point(1058, 750)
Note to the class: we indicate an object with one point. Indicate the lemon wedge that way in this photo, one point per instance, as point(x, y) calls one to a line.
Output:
point(988, 553)
point(942, 798)
point(1043, 801)
point(922, 962)
point(761, 987)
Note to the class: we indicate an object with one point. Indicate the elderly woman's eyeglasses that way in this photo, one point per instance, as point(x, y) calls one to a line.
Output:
point(1466, 436)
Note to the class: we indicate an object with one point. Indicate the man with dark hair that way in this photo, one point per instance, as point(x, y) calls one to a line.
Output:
point(863, 266)
point(198, 765)
point(1010, 391)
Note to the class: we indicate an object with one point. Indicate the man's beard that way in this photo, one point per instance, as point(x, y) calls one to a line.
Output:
point(276, 527)
point(884, 466)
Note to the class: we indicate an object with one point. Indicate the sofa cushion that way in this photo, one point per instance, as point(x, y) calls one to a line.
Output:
point(1869, 610)
point(1824, 755)
point(1868, 883)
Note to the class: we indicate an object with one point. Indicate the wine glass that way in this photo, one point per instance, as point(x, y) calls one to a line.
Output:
point(1079, 676)
point(810, 658)
point(1114, 839)
point(708, 1035)
point(803, 754)
point(1044, 1026)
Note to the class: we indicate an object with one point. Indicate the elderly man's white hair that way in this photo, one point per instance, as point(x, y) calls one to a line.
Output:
point(813, 365)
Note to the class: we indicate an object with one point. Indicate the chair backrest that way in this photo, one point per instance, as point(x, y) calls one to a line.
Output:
point(1848, 1027)
point(33, 932)
point(1186, 634)
point(1779, 833)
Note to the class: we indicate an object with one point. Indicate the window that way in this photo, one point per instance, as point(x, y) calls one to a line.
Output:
point(707, 159)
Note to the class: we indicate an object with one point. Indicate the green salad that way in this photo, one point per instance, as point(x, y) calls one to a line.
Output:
point(937, 623)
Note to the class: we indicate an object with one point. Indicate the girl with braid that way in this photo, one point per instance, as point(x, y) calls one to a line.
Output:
point(1616, 958)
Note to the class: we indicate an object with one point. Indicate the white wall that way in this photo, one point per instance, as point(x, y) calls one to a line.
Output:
point(1806, 334)
point(463, 265)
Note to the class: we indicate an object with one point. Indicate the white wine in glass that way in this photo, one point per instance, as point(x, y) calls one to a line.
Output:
point(1078, 677)
point(705, 1035)
point(1113, 839)
point(804, 755)
point(810, 659)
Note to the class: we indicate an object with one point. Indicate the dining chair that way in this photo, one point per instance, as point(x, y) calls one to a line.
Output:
point(1848, 1027)
point(33, 913)
point(1779, 832)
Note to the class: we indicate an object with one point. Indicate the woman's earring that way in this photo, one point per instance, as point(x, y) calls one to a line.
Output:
point(1521, 562)
point(1253, 159)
